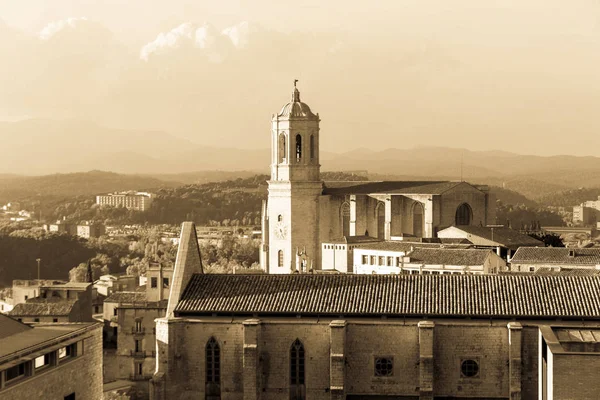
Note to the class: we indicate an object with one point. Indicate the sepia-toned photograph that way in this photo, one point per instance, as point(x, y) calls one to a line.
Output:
point(299, 200)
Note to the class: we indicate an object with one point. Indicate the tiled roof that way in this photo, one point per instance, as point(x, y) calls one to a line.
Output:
point(126, 297)
point(42, 308)
point(449, 256)
point(405, 247)
point(505, 237)
point(68, 285)
point(388, 187)
point(353, 240)
point(394, 295)
point(557, 256)
point(567, 271)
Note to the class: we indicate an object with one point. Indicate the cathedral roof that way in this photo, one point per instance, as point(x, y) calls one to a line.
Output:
point(389, 187)
point(296, 108)
point(484, 296)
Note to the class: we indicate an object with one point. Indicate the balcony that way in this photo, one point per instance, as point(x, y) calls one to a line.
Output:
point(134, 377)
point(140, 331)
point(142, 354)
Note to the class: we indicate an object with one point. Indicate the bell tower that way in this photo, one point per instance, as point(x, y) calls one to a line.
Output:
point(294, 188)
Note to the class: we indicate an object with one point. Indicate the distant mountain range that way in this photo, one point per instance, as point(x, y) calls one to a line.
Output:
point(41, 147)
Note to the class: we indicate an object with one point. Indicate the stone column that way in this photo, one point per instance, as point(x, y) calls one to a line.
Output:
point(252, 389)
point(388, 219)
point(428, 218)
point(426, 360)
point(337, 357)
point(514, 359)
point(352, 215)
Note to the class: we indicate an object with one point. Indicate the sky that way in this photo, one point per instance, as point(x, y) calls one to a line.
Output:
point(522, 76)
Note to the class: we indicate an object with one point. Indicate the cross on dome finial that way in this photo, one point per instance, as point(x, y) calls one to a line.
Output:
point(296, 93)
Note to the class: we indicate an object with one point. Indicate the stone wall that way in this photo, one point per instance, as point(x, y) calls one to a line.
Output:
point(340, 357)
point(81, 375)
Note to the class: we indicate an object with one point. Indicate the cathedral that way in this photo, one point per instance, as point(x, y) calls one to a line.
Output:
point(303, 211)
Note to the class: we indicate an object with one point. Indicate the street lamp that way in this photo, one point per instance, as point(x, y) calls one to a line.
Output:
point(38, 261)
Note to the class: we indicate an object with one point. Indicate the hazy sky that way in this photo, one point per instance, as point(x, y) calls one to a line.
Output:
point(519, 75)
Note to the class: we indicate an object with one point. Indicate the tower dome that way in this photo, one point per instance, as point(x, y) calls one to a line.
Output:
point(296, 108)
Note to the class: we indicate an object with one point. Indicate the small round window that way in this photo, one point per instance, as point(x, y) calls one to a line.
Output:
point(469, 368)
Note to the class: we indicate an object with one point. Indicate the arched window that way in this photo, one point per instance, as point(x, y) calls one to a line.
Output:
point(417, 215)
point(213, 370)
point(280, 258)
point(279, 218)
point(312, 147)
point(380, 219)
point(298, 148)
point(281, 153)
point(345, 216)
point(464, 214)
point(297, 391)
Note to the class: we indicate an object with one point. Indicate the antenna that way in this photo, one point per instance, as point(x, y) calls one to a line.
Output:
point(462, 153)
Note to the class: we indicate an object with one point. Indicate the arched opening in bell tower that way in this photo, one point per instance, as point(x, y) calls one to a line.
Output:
point(298, 148)
point(312, 147)
point(281, 151)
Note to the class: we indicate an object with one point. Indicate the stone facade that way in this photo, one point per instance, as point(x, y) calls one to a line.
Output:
point(427, 358)
point(79, 374)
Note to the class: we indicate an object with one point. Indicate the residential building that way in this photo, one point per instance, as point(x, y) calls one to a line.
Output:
point(338, 254)
point(117, 282)
point(381, 259)
point(530, 259)
point(587, 213)
point(129, 329)
point(90, 230)
point(505, 241)
point(138, 201)
point(64, 302)
point(62, 226)
point(303, 212)
point(22, 290)
point(52, 361)
point(347, 336)
point(6, 304)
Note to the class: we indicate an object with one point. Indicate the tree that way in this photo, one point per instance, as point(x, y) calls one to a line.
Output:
point(79, 273)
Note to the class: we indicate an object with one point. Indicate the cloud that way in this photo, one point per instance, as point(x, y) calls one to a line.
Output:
point(215, 45)
point(240, 34)
point(55, 27)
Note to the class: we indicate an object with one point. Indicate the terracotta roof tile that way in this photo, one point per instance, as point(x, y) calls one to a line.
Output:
point(449, 256)
point(557, 255)
point(126, 297)
point(394, 295)
point(42, 308)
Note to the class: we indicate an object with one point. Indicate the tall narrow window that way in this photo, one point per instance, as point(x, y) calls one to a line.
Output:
point(417, 215)
point(312, 147)
point(282, 149)
point(280, 258)
point(345, 213)
point(213, 370)
point(380, 215)
point(463, 214)
point(298, 148)
point(297, 391)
